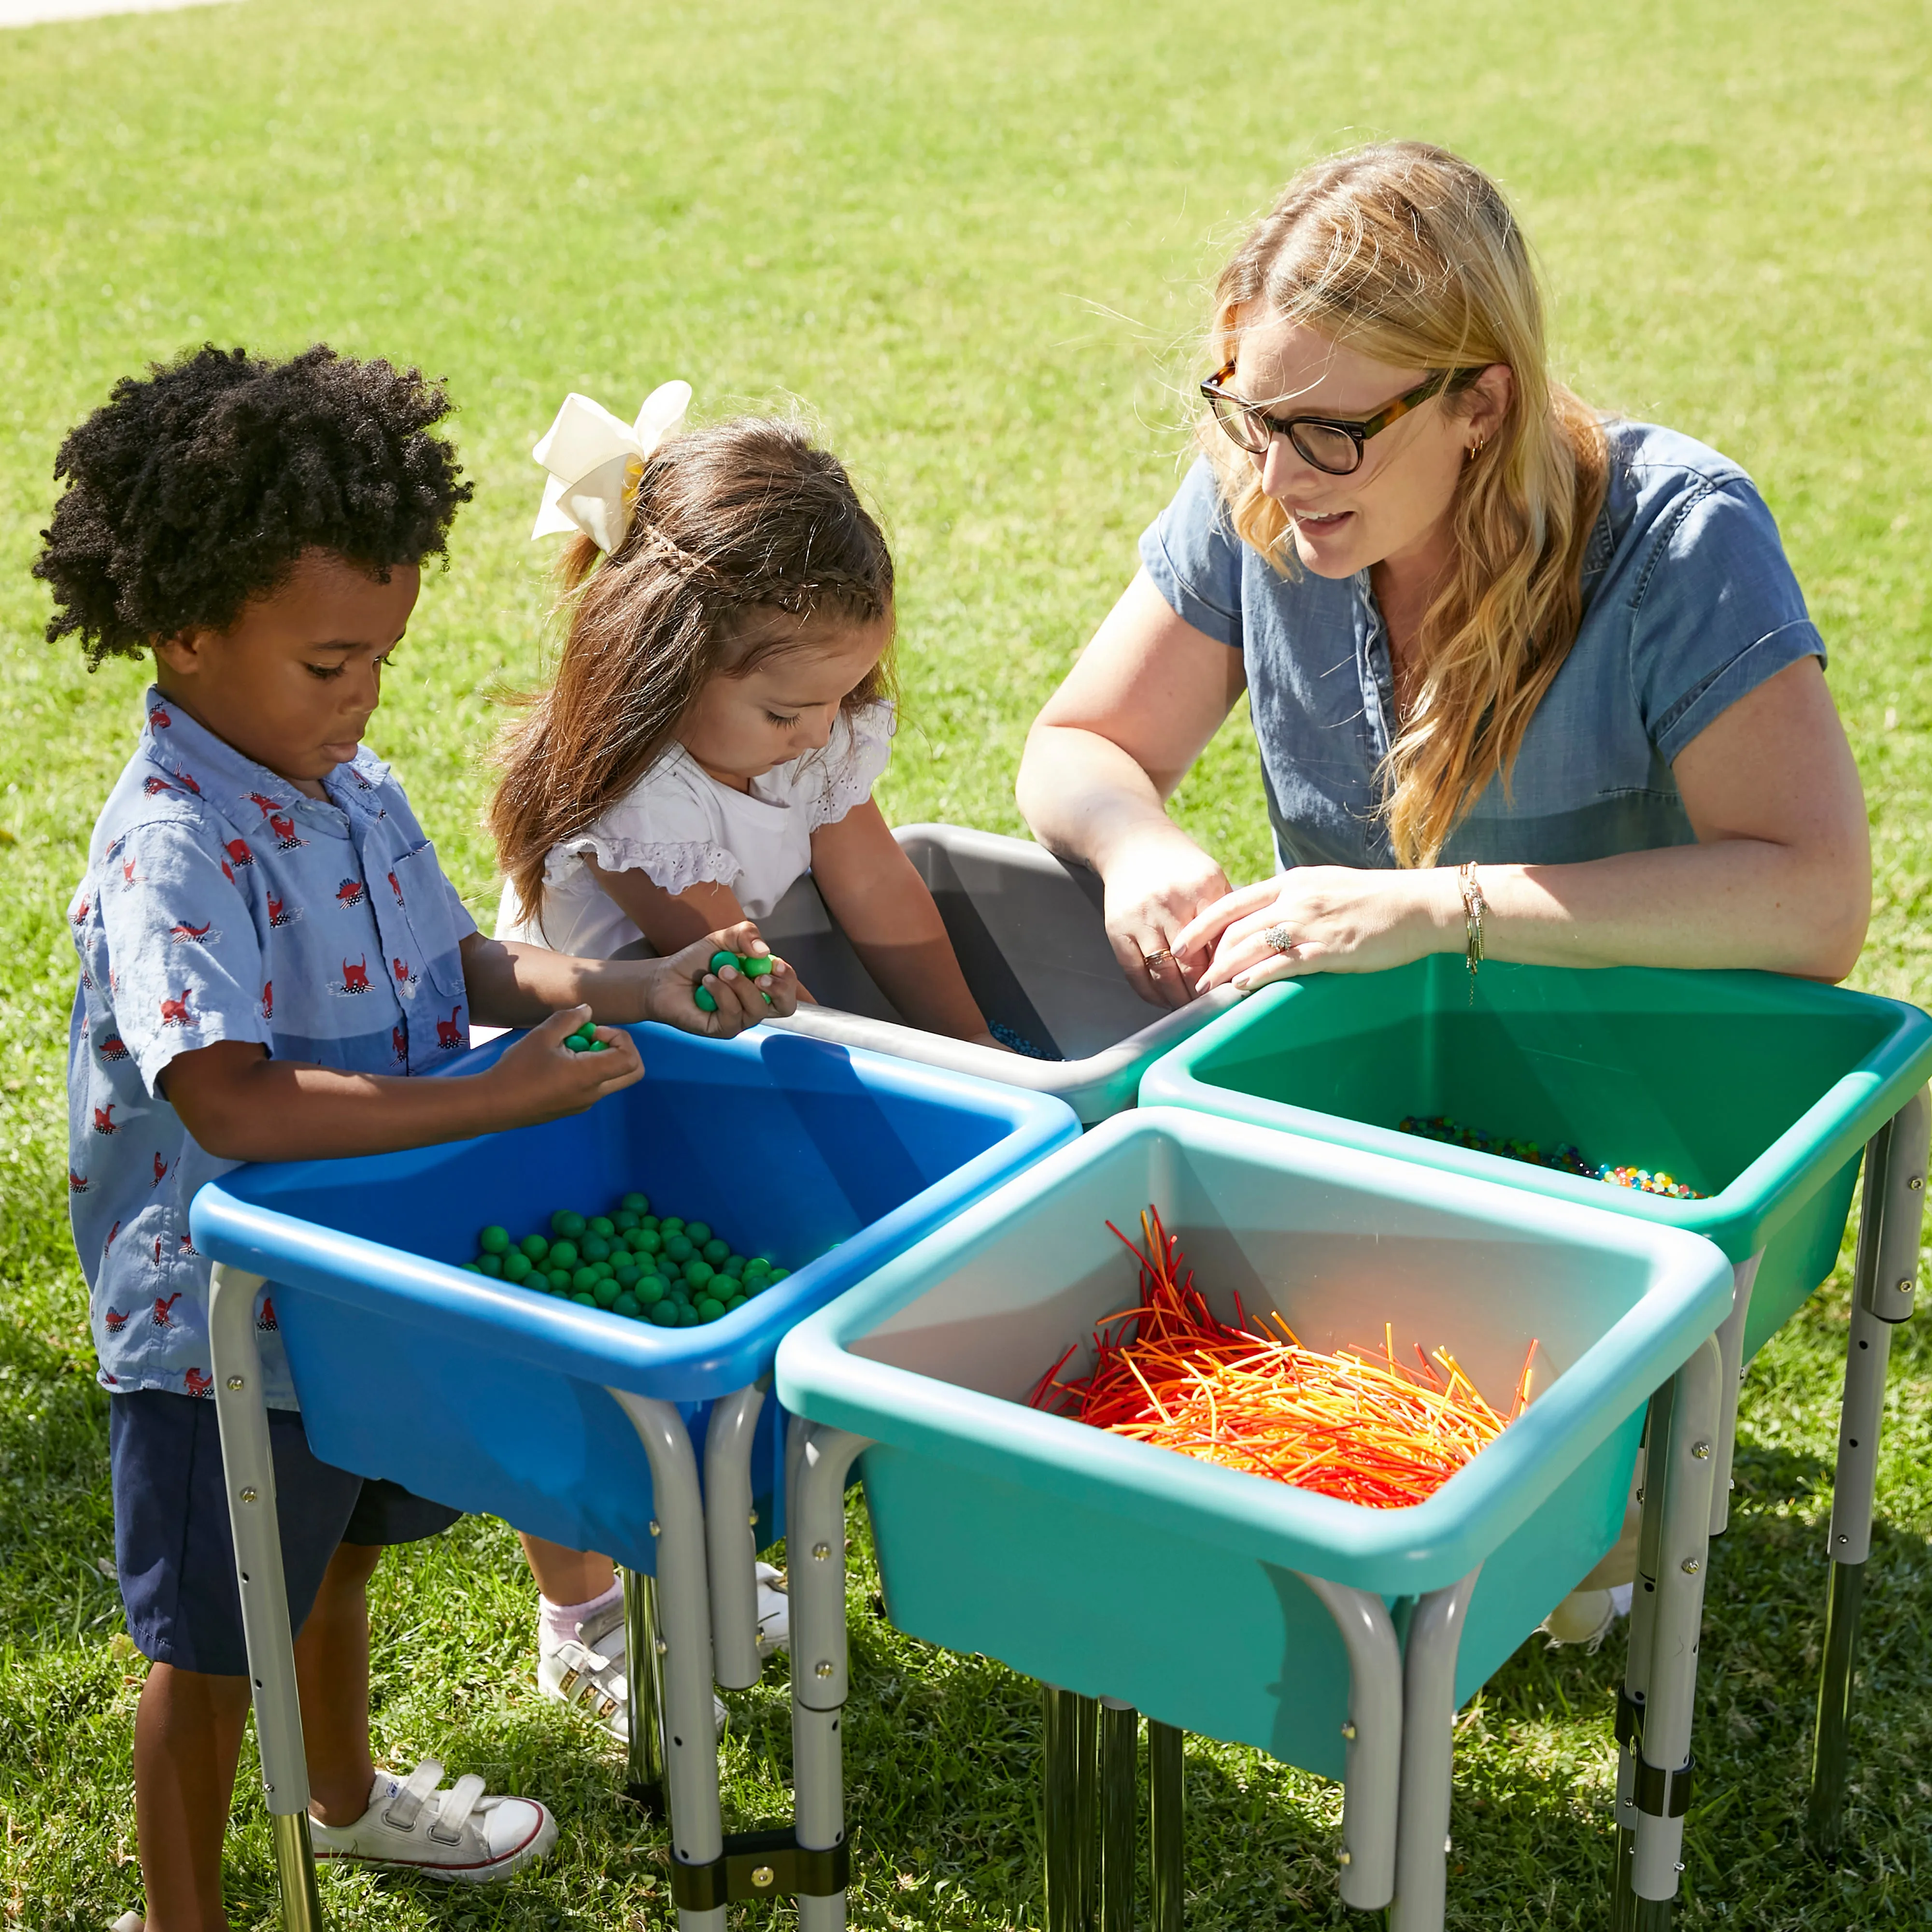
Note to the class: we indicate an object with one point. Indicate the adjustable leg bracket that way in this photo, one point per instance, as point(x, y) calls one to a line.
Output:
point(1630, 1718)
point(760, 1864)
point(1664, 1794)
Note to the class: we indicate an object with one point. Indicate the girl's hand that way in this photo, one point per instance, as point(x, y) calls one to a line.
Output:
point(1334, 919)
point(540, 1079)
point(670, 984)
point(1155, 886)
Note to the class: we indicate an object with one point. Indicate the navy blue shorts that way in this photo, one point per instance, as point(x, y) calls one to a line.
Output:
point(173, 1546)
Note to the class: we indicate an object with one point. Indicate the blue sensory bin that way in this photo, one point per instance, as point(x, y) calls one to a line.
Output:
point(491, 1397)
point(1117, 1568)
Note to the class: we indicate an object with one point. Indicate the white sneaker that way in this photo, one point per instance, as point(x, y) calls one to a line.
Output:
point(1587, 1616)
point(588, 1671)
point(774, 1611)
point(459, 1833)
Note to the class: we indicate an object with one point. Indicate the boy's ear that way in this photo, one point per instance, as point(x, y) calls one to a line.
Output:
point(181, 653)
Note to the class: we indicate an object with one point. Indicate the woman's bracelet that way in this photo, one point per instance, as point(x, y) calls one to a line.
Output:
point(1473, 910)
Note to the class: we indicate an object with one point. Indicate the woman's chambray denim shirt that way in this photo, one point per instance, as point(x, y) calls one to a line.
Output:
point(1689, 604)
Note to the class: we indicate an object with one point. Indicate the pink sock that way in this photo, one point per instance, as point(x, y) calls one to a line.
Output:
point(557, 1622)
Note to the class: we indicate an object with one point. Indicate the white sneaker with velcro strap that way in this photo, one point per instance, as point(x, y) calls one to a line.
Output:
point(460, 1833)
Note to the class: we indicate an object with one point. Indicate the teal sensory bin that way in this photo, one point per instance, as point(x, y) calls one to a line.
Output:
point(490, 1395)
point(1759, 1090)
point(1115, 1568)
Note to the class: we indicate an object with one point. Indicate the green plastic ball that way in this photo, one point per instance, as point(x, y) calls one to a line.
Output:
point(650, 1289)
point(697, 1232)
point(701, 998)
point(624, 1220)
point(626, 1305)
point(732, 1306)
point(647, 1241)
point(647, 1223)
point(778, 1275)
point(716, 1251)
point(489, 1264)
point(634, 1203)
point(721, 959)
point(564, 1223)
point(534, 1245)
point(470, 1267)
point(516, 1265)
point(671, 1224)
point(604, 1292)
point(584, 1300)
point(563, 1254)
point(698, 1273)
point(594, 1248)
point(494, 1241)
point(584, 1278)
point(664, 1313)
point(627, 1276)
point(600, 1224)
point(558, 1280)
point(709, 1310)
point(758, 965)
point(679, 1247)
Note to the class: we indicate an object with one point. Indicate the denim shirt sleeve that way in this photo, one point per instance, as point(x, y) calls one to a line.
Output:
point(1194, 558)
point(1718, 611)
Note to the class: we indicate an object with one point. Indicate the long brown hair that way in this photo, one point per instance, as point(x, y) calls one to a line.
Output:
point(739, 534)
point(1411, 255)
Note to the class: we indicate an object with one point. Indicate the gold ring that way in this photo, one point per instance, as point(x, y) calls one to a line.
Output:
point(1151, 960)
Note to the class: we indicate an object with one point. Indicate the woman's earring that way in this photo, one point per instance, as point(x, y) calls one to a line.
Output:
point(1476, 448)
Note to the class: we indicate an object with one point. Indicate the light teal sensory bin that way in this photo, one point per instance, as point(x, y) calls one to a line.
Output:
point(1757, 1090)
point(1115, 1568)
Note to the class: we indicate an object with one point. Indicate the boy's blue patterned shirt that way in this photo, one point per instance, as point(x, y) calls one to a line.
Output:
point(222, 904)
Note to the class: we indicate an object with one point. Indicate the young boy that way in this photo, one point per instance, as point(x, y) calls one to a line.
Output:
point(270, 955)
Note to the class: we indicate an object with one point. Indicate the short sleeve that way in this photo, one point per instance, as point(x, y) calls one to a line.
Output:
point(1193, 556)
point(663, 827)
point(1719, 611)
point(853, 764)
point(181, 947)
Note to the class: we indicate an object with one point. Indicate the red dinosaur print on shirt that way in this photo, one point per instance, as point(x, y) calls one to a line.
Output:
point(160, 1170)
point(153, 788)
point(110, 1242)
point(184, 934)
point(187, 1247)
point(175, 1013)
point(199, 1383)
point(267, 805)
point(76, 1183)
point(266, 1319)
point(405, 978)
point(159, 718)
point(113, 1048)
point(399, 1043)
point(104, 1122)
point(355, 978)
point(237, 849)
point(79, 915)
point(394, 887)
point(449, 1034)
point(268, 999)
point(127, 872)
point(162, 1318)
point(113, 1320)
point(279, 914)
point(284, 830)
point(349, 893)
point(186, 783)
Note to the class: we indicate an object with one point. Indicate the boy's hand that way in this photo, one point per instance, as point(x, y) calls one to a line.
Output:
point(540, 1079)
point(741, 998)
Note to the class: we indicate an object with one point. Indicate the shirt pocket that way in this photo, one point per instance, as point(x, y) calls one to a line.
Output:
point(428, 909)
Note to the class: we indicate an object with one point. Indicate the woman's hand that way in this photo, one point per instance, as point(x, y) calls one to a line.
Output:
point(1158, 886)
point(669, 985)
point(1329, 919)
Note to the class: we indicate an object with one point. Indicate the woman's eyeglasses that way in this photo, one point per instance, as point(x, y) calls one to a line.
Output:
point(1332, 444)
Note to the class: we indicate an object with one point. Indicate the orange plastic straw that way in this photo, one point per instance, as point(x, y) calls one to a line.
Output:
point(1374, 1432)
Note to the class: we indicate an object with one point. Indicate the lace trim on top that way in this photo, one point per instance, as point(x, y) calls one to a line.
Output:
point(866, 756)
point(673, 866)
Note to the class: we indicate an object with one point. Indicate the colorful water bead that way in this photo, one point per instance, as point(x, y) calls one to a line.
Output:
point(1565, 1159)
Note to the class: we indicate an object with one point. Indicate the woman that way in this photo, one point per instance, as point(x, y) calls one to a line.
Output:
point(1526, 682)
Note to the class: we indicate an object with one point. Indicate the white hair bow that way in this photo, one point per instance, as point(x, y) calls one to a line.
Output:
point(595, 462)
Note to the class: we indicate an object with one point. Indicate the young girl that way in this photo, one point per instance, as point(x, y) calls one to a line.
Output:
point(720, 711)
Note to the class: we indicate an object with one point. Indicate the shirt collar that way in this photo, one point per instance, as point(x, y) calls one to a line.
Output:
point(196, 761)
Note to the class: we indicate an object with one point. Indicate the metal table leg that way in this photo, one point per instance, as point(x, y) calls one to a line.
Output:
point(730, 1532)
point(1167, 1825)
point(1680, 1466)
point(1731, 1347)
point(1886, 1282)
point(1637, 1668)
point(815, 1544)
point(644, 1766)
point(1428, 1755)
point(1118, 1761)
point(1068, 1733)
point(1371, 1779)
point(691, 1733)
point(248, 1471)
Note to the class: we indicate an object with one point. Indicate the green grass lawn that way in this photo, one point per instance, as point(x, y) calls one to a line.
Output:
point(971, 241)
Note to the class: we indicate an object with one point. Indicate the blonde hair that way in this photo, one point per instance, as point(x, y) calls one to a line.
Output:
point(1411, 256)
point(741, 534)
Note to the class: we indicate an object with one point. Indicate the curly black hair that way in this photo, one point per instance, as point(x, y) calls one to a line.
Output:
point(196, 487)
